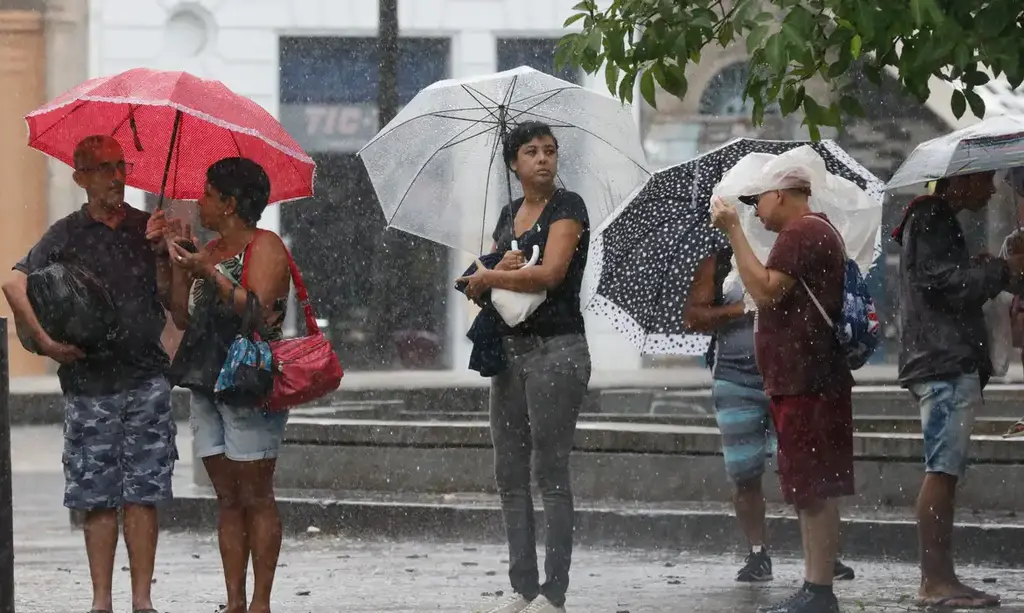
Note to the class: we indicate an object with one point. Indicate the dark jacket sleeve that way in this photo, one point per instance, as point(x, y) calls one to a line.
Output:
point(941, 268)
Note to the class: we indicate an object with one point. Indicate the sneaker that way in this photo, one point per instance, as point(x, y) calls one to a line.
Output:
point(804, 602)
point(543, 605)
point(843, 572)
point(758, 568)
point(514, 604)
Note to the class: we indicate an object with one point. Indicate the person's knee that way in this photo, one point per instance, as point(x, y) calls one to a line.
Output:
point(100, 517)
point(511, 473)
point(750, 486)
point(552, 471)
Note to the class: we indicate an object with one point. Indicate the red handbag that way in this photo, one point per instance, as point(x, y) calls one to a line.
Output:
point(306, 367)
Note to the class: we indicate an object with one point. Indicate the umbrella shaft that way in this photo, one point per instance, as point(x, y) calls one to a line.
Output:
point(170, 155)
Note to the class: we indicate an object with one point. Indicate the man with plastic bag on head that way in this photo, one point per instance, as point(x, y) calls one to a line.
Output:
point(803, 367)
point(119, 435)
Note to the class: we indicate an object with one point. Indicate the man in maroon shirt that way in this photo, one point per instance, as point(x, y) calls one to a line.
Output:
point(804, 370)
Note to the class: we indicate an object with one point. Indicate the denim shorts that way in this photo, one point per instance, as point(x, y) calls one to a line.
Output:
point(947, 418)
point(242, 434)
point(119, 448)
point(745, 423)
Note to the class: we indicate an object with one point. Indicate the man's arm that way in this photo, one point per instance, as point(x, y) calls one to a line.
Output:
point(16, 292)
point(765, 285)
point(945, 279)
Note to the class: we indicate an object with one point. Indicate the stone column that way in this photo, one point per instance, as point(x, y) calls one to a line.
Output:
point(67, 44)
point(23, 208)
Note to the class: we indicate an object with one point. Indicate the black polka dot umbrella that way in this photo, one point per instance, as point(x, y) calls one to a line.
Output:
point(643, 257)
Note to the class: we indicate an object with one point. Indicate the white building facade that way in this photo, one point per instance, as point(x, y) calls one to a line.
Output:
point(311, 64)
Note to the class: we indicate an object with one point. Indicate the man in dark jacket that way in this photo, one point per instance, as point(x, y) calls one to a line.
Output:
point(944, 360)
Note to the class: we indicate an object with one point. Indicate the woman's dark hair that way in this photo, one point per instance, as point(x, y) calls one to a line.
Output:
point(246, 181)
point(522, 134)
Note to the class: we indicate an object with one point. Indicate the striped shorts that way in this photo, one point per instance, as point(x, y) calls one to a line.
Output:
point(744, 420)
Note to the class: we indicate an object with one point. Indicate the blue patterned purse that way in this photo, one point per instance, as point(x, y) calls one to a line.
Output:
point(247, 378)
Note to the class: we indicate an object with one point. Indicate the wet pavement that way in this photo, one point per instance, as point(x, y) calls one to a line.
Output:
point(321, 574)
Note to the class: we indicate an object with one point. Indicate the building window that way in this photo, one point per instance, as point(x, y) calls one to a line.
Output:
point(537, 53)
point(723, 96)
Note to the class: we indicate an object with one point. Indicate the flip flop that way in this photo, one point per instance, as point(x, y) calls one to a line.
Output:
point(960, 601)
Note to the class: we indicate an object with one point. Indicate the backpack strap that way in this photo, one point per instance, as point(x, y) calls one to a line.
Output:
point(814, 299)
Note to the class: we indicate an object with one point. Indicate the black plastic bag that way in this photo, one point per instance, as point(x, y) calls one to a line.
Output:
point(73, 305)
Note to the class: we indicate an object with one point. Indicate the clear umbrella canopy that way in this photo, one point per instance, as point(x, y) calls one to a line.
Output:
point(993, 144)
point(438, 171)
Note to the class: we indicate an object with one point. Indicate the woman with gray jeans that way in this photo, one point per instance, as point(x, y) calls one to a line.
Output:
point(536, 399)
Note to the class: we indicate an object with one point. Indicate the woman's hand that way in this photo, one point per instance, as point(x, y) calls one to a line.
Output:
point(478, 282)
point(512, 260)
point(195, 263)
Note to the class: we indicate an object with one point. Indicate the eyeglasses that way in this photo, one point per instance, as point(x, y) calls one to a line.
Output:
point(108, 168)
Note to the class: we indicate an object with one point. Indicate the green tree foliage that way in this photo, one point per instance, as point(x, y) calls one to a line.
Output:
point(790, 42)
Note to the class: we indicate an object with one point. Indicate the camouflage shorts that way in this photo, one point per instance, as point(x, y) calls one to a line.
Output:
point(119, 448)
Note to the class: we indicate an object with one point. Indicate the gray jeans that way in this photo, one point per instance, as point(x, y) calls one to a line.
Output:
point(535, 403)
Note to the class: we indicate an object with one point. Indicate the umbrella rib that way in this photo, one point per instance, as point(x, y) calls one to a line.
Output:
point(487, 187)
point(430, 114)
point(451, 144)
point(56, 123)
point(472, 94)
point(536, 104)
point(553, 92)
point(420, 171)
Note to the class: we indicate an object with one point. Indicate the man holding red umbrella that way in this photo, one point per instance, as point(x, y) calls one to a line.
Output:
point(119, 434)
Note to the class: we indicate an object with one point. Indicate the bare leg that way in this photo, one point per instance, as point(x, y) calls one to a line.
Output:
point(819, 525)
point(231, 530)
point(256, 480)
point(935, 509)
point(748, 501)
point(101, 547)
point(141, 532)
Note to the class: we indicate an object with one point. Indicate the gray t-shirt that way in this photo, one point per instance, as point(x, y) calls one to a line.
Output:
point(734, 351)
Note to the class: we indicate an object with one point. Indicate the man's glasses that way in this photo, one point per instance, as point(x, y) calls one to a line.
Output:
point(109, 168)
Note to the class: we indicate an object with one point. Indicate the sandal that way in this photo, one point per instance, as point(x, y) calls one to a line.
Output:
point(960, 601)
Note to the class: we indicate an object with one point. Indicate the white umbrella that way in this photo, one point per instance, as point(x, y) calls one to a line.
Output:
point(438, 171)
point(993, 144)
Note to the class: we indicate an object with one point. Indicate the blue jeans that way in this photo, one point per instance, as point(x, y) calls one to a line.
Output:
point(947, 418)
point(242, 434)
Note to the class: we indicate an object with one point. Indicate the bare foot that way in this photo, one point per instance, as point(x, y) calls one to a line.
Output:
point(955, 596)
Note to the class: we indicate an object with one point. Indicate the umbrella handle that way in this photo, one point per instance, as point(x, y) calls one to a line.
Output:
point(533, 256)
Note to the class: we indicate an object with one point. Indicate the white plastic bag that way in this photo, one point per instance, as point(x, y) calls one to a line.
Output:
point(515, 307)
point(1000, 333)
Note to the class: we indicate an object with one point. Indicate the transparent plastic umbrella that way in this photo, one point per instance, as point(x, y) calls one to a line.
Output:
point(438, 171)
point(993, 144)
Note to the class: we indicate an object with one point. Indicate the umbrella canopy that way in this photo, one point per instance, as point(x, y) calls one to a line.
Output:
point(992, 144)
point(644, 257)
point(438, 169)
point(172, 126)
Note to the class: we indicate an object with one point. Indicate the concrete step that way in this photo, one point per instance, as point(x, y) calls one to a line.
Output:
point(889, 533)
point(647, 463)
point(609, 437)
point(650, 392)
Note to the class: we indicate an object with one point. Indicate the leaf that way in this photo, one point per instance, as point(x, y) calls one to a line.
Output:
point(958, 104)
point(594, 40)
point(975, 78)
point(725, 35)
point(574, 19)
point(856, 43)
point(775, 53)
point(851, 106)
point(814, 132)
point(611, 75)
point(647, 88)
point(585, 5)
point(626, 87)
point(756, 37)
point(976, 103)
